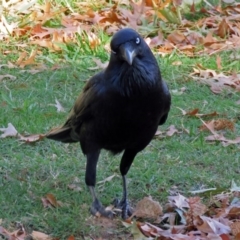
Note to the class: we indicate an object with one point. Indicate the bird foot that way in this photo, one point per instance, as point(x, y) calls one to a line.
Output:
point(124, 206)
point(98, 209)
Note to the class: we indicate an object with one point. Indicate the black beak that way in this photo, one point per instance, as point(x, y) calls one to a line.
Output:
point(128, 53)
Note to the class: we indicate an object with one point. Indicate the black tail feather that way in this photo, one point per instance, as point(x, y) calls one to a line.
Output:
point(62, 134)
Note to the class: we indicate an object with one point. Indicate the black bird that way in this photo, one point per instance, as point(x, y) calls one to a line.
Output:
point(119, 109)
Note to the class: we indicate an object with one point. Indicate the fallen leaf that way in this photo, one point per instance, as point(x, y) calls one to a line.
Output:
point(179, 201)
point(157, 133)
point(148, 208)
point(71, 237)
point(196, 208)
point(11, 77)
point(50, 201)
point(10, 131)
point(23, 60)
point(235, 228)
point(218, 124)
point(40, 236)
point(225, 141)
point(218, 62)
point(136, 232)
point(58, 105)
point(31, 138)
point(216, 81)
point(193, 112)
point(171, 131)
point(210, 225)
point(176, 37)
point(223, 28)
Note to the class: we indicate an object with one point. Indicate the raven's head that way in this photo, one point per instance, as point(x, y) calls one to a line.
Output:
point(127, 44)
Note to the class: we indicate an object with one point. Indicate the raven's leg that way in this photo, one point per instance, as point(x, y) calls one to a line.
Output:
point(90, 179)
point(125, 164)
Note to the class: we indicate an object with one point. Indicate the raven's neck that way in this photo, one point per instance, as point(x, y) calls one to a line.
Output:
point(138, 79)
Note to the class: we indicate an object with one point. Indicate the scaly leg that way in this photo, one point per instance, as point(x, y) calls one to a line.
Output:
point(125, 164)
point(90, 179)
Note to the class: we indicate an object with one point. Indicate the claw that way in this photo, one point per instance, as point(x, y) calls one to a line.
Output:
point(124, 206)
point(97, 207)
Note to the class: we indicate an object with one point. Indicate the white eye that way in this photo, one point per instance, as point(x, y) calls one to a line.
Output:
point(137, 40)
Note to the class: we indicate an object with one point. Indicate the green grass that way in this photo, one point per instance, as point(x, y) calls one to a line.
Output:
point(29, 171)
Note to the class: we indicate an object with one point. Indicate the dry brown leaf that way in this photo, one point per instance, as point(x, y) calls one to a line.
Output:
point(150, 230)
point(176, 37)
point(157, 133)
point(6, 29)
point(233, 212)
point(10, 131)
point(24, 61)
point(210, 225)
point(235, 227)
point(156, 41)
point(50, 201)
point(71, 237)
point(212, 114)
point(223, 28)
point(209, 39)
point(19, 234)
point(193, 112)
point(48, 43)
point(58, 105)
point(171, 131)
point(31, 138)
point(218, 62)
point(136, 232)
point(148, 208)
point(40, 236)
point(93, 39)
point(196, 208)
point(178, 201)
point(21, 57)
point(218, 124)
point(225, 141)
point(216, 81)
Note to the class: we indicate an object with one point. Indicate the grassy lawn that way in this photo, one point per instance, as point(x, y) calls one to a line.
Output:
point(28, 172)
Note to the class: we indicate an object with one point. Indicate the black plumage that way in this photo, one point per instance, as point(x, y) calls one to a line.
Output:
point(119, 109)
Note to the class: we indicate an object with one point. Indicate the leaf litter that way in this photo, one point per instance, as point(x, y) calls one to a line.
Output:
point(49, 25)
point(216, 126)
point(189, 218)
point(218, 30)
point(10, 131)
